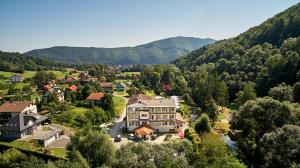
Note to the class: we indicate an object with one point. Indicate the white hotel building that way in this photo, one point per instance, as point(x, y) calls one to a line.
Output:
point(160, 114)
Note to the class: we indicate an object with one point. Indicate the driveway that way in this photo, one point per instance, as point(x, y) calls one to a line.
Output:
point(115, 128)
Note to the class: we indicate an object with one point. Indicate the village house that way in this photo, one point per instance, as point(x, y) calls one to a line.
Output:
point(19, 119)
point(144, 113)
point(95, 98)
point(57, 91)
point(83, 76)
point(120, 87)
point(16, 78)
point(73, 88)
point(107, 86)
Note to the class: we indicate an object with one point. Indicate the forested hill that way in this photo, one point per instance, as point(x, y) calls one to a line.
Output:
point(16, 62)
point(157, 52)
point(267, 54)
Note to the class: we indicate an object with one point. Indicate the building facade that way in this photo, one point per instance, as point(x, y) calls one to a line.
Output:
point(160, 114)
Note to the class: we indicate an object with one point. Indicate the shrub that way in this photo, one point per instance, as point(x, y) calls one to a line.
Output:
point(202, 124)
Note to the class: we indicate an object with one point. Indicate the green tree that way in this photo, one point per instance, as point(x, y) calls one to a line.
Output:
point(257, 117)
point(296, 92)
point(280, 148)
point(202, 124)
point(97, 148)
point(248, 93)
point(282, 92)
point(211, 110)
point(12, 158)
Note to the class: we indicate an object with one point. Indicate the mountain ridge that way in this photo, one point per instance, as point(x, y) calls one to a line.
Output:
point(155, 52)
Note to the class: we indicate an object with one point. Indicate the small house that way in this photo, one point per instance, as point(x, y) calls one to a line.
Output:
point(107, 86)
point(120, 87)
point(95, 98)
point(16, 78)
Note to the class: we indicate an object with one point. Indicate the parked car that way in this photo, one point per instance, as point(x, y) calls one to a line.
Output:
point(153, 137)
point(131, 137)
point(118, 138)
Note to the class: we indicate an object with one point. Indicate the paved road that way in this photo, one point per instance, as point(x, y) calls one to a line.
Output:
point(115, 129)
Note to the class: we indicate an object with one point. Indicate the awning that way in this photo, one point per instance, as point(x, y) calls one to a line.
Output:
point(143, 130)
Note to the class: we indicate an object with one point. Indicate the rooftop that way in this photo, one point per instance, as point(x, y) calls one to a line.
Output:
point(150, 101)
point(95, 96)
point(15, 106)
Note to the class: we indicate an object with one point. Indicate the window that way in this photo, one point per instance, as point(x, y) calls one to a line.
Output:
point(150, 109)
point(164, 109)
point(144, 122)
point(137, 123)
point(144, 115)
point(158, 117)
point(171, 109)
point(172, 117)
point(129, 109)
point(131, 117)
point(165, 123)
point(137, 116)
point(151, 123)
point(157, 109)
point(172, 123)
point(131, 123)
point(137, 109)
point(165, 117)
point(157, 123)
point(151, 117)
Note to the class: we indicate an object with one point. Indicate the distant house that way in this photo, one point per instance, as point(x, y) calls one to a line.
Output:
point(83, 76)
point(70, 80)
point(120, 87)
point(166, 87)
point(16, 78)
point(107, 86)
point(59, 93)
point(95, 98)
point(73, 88)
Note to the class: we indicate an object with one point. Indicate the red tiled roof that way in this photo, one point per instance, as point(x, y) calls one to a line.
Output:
point(143, 130)
point(73, 88)
point(15, 106)
point(95, 96)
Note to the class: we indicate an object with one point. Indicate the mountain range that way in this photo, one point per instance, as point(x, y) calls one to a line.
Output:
point(157, 52)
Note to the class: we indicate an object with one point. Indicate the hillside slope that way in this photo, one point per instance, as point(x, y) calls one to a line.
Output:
point(267, 54)
point(157, 52)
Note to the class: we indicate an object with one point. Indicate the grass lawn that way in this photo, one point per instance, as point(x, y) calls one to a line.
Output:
point(70, 117)
point(59, 152)
point(21, 144)
point(120, 93)
point(120, 105)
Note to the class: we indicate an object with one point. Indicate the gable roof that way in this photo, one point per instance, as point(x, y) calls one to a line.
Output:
point(73, 88)
point(144, 129)
point(95, 96)
point(15, 106)
point(150, 101)
point(106, 85)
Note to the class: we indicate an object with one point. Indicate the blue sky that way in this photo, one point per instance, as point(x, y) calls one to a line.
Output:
point(32, 24)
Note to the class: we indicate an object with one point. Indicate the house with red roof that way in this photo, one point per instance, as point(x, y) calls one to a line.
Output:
point(73, 88)
point(95, 98)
